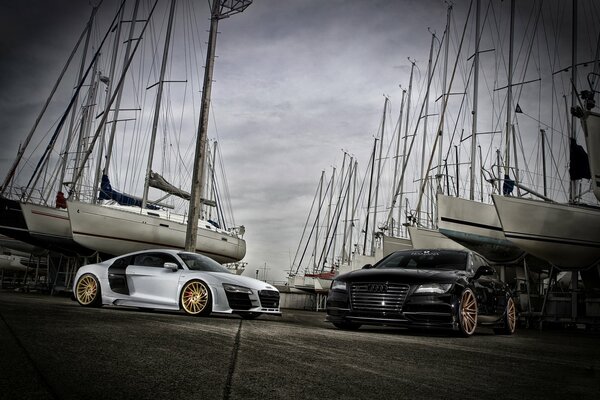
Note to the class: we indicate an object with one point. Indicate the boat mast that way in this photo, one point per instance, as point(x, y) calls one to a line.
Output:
point(159, 93)
point(444, 98)
point(316, 250)
point(385, 103)
point(390, 218)
point(369, 197)
point(400, 191)
point(475, 91)
point(120, 90)
point(109, 86)
point(219, 9)
point(424, 172)
point(339, 206)
point(79, 172)
point(509, 93)
point(22, 148)
point(345, 237)
point(573, 186)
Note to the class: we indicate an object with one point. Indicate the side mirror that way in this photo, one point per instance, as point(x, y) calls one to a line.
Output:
point(483, 270)
point(367, 266)
point(172, 266)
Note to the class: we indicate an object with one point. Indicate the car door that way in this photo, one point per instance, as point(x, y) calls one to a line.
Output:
point(149, 281)
point(485, 289)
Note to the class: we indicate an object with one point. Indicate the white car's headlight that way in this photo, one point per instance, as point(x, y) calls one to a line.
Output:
point(338, 285)
point(436, 288)
point(236, 289)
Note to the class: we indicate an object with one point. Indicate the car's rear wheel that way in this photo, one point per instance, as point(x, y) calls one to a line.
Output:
point(195, 298)
point(87, 291)
point(467, 313)
point(509, 320)
point(346, 325)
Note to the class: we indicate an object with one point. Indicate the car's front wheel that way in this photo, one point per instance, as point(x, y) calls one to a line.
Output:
point(87, 291)
point(467, 313)
point(195, 298)
point(509, 319)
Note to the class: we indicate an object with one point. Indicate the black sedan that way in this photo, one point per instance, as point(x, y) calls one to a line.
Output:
point(450, 289)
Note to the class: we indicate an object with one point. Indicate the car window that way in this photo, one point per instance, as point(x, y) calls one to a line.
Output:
point(121, 263)
point(156, 260)
point(428, 259)
point(198, 262)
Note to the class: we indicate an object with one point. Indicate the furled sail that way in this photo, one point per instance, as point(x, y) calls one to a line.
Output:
point(158, 182)
point(108, 193)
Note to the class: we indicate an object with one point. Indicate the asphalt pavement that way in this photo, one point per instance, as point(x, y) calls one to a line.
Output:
point(52, 348)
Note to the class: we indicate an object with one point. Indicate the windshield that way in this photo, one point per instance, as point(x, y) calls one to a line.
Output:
point(197, 262)
point(425, 259)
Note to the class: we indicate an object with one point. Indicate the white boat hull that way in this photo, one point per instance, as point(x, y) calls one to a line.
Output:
point(431, 239)
point(51, 226)
point(116, 231)
point(591, 127)
point(392, 244)
point(476, 226)
point(566, 236)
point(12, 263)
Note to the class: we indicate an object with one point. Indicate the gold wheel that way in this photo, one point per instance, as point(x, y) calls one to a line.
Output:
point(509, 320)
point(511, 316)
point(467, 313)
point(88, 291)
point(195, 298)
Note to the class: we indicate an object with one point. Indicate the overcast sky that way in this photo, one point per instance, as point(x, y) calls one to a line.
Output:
point(296, 83)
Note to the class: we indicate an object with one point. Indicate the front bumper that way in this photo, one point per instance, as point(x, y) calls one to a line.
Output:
point(414, 311)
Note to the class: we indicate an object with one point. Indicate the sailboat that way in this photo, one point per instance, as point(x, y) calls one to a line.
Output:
point(116, 228)
point(565, 235)
point(51, 226)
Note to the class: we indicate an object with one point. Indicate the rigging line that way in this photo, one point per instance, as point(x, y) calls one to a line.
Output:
point(424, 181)
point(306, 225)
point(66, 113)
point(104, 116)
point(23, 147)
point(313, 227)
point(335, 217)
point(341, 202)
point(225, 183)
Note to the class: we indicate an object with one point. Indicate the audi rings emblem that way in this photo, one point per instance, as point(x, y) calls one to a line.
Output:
point(377, 287)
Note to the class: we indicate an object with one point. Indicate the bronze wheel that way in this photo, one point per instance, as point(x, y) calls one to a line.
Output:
point(467, 313)
point(196, 298)
point(509, 320)
point(87, 291)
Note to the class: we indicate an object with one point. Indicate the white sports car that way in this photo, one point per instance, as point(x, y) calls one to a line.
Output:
point(173, 280)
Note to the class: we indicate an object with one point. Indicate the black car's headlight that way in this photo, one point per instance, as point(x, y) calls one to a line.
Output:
point(236, 289)
point(338, 285)
point(433, 288)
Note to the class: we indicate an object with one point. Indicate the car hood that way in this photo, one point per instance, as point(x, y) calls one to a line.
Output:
point(245, 281)
point(408, 276)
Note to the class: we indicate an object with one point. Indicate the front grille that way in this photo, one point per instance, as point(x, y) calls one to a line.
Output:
point(269, 298)
point(239, 301)
point(380, 298)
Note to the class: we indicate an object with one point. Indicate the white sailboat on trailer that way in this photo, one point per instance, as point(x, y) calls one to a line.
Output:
point(472, 223)
point(116, 229)
point(48, 227)
point(565, 235)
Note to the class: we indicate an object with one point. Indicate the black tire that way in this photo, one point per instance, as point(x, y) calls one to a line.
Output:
point(250, 315)
point(195, 298)
point(347, 325)
point(467, 313)
point(88, 292)
point(509, 319)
